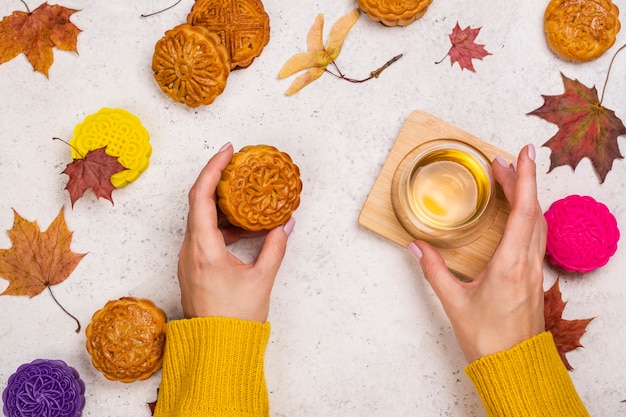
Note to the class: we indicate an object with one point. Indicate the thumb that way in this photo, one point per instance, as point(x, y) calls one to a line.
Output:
point(274, 248)
point(434, 268)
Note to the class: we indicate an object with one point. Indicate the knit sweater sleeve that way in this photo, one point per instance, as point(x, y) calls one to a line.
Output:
point(213, 366)
point(527, 380)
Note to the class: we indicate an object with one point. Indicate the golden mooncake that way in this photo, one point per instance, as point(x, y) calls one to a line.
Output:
point(260, 188)
point(394, 12)
point(242, 25)
point(581, 30)
point(191, 65)
point(126, 339)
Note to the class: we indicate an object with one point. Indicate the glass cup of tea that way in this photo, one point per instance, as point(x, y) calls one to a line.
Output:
point(443, 192)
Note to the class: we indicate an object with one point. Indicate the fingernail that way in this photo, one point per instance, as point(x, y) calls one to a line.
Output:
point(502, 161)
point(288, 227)
point(415, 251)
point(224, 147)
point(514, 166)
point(531, 152)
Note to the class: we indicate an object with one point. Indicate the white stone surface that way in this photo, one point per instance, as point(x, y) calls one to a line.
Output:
point(356, 330)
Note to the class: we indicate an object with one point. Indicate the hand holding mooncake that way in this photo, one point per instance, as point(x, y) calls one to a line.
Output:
point(214, 282)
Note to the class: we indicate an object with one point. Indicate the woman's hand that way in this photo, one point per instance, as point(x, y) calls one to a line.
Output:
point(213, 281)
point(503, 306)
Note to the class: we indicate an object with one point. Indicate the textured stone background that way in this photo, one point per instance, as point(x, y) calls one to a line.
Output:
point(356, 329)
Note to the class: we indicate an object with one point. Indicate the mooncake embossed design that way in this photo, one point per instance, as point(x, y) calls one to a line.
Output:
point(242, 25)
point(124, 137)
point(126, 339)
point(260, 188)
point(581, 30)
point(44, 388)
point(582, 234)
point(191, 65)
point(393, 12)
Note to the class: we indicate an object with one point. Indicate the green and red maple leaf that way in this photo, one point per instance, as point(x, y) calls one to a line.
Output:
point(35, 34)
point(586, 128)
point(93, 172)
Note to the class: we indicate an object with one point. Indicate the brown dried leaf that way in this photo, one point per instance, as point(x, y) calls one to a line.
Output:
point(36, 33)
point(37, 259)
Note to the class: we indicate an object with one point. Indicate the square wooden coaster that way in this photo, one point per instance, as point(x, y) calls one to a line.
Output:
point(377, 213)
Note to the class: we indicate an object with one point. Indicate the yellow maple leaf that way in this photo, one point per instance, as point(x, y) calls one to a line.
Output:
point(317, 58)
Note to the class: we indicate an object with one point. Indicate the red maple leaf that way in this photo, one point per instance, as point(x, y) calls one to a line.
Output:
point(586, 128)
point(151, 406)
point(93, 172)
point(566, 333)
point(36, 33)
point(464, 49)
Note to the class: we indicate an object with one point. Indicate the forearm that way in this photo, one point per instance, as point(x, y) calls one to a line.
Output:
point(213, 366)
point(527, 380)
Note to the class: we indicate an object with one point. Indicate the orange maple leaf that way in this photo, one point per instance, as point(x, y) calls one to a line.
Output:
point(36, 33)
point(37, 259)
point(566, 333)
point(93, 172)
point(586, 128)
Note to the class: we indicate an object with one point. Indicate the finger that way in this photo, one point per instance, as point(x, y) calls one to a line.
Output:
point(505, 176)
point(273, 250)
point(443, 283)
point(202, 195)
point(522, 221)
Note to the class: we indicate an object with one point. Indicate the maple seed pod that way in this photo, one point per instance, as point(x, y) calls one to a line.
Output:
point(443, 192)
point(312, 62)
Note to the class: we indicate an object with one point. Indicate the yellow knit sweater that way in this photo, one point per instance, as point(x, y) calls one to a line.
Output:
point(214, 367)
point(528, 380)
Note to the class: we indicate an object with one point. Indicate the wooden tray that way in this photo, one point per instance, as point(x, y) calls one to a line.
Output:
point(377, 213)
